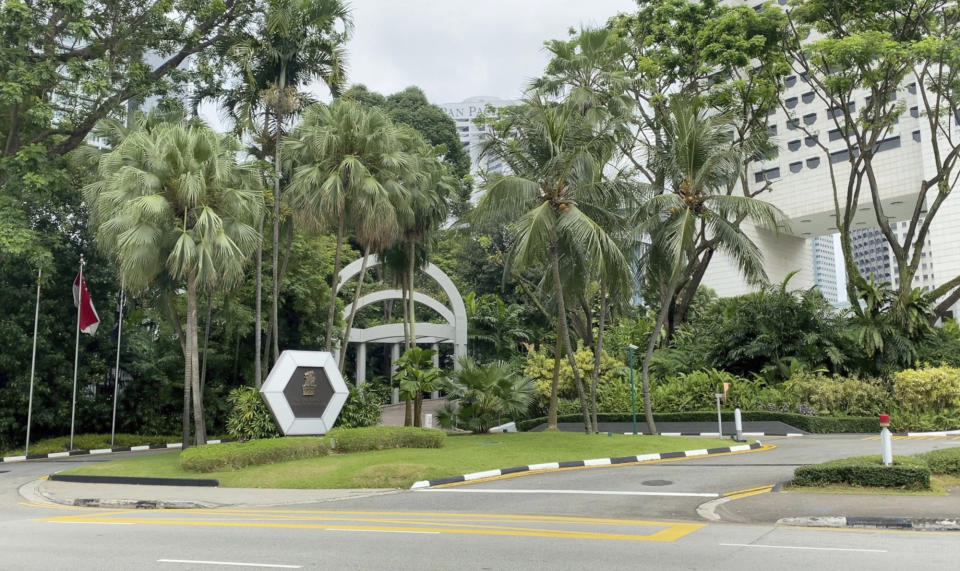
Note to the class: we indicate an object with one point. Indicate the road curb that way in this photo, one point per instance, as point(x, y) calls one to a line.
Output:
point(583, 463)
point(135, 480)
point(870, 522)
point(717, 435)
point(158, 446)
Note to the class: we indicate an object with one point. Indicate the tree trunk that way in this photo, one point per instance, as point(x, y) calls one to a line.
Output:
point(353, 308)
point(651, 345)
point(276, 222)
point(408, 412)
point(332, 310)
point(258, 312)
point(192, 346)
point(598, 351)
point(411, 294)
point(206, 343)
point(562, 316)
point(418, 409)
point(175, 319)
point(555, 385)
point(404, 291)
point(686, 296)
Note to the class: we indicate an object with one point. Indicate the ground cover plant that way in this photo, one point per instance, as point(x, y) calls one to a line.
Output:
point(402, 467)
point(91, 442)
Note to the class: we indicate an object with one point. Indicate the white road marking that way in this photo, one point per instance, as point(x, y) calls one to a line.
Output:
point(382, 531)
point(230, 563)
point(583, 492)
point(805, 548)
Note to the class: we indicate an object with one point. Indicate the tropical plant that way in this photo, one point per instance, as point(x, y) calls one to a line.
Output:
point(555, 197)
point(484, 396)
point(363, 408)
point(698, 162)
point(175, 209)
point(417, 374)
point(249, 418)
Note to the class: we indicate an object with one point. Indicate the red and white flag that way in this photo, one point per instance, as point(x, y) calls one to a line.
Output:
point(89, 320)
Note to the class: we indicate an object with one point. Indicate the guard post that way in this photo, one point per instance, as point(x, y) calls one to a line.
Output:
point(886, 445)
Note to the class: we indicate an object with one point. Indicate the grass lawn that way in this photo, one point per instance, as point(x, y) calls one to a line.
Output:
point(938, 487)
point(400, 468)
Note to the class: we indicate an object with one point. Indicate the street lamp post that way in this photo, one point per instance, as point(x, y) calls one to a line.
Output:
point(633, 387)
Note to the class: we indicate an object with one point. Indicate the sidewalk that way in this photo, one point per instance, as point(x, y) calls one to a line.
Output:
point(179, 497)
point(844, 510)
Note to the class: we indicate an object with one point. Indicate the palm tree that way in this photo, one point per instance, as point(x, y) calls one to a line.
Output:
point(698, 161)
point(296, 42)
point(174, 208)
point(351, 163)
point(556, 156)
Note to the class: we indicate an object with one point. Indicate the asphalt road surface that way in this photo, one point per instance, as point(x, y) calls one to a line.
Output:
point(625, 517)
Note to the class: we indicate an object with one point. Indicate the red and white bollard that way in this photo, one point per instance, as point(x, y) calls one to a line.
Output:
point(886, 444)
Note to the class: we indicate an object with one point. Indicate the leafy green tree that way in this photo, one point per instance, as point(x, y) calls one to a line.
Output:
point(175, 209)
point(416, 375)
point(881, 48)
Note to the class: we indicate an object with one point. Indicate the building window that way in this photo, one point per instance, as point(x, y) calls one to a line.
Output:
point(791, 102)
point(914, 111)
point(767, 175)
point(790, 81)
point(887, 144)
point(809, 118)
point(839, 156)
point(792, 124)
point(796, 167)
point(813, 162)
point(835, 112)
point(771, 130)
point(912, 88)
point(810, 141)
point(807, 97)
point(794, 145)
point(916, 136)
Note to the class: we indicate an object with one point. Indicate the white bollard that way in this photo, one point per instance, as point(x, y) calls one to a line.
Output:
point(428, 420)
point(886, 446)
point(738, 424)
point(395, 396)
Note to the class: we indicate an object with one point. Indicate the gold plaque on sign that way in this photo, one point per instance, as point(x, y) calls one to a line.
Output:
point(309, 384)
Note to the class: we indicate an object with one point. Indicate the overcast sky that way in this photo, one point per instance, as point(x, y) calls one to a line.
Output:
point(454, 49)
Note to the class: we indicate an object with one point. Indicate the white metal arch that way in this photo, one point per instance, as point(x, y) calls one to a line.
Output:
point(454, 331)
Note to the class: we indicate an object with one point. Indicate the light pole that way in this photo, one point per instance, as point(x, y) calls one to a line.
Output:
point(633, 386)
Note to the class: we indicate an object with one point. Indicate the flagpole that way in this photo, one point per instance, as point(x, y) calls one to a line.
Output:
point(76, 355)
point(33, 362)
point(116, 372)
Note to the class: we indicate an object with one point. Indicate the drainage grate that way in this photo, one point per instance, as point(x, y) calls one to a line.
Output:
point(656, 483)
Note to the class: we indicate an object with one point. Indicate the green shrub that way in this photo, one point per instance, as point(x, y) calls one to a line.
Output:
point(363, 408)
point(839, 395)
point(250, 418)
point(946, 461)
point(907, 473)
point(905, 420)
point(236, 455)
point(928, 389)
point(539, 367)
point(92, 442)
point(484, 396)
point(813, 424)
point(384, 437)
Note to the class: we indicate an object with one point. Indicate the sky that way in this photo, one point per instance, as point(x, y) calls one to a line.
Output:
point(454, 49)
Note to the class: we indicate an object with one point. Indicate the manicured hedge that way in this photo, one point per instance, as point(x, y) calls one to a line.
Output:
point(236, 455)
point(946, 461)
point(906, 472)
point(814, 424)
point(383, 437)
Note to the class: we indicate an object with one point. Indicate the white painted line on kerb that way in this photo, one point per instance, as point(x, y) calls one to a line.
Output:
point(574, 492)
point(804, 548)
point(229, 563)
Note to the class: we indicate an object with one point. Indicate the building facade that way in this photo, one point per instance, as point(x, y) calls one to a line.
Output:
point(824, 267)
point(471, 135)
point(802, 189)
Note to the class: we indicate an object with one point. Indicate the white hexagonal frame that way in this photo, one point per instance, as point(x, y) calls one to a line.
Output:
point(280, 375)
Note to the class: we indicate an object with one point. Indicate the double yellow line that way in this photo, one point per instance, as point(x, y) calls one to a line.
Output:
point(749, 492)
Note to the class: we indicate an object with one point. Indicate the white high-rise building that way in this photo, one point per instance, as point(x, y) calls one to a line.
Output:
point(471, 134)
point(825, 267)
point(801, 188)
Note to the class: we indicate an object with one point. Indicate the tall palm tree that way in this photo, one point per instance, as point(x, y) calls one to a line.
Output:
point(351, 163)
point(556, 157)
point(296, 42)
point(698, 161)
point(175, 208)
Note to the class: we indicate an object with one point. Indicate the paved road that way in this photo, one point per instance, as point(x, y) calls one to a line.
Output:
point(574, 519)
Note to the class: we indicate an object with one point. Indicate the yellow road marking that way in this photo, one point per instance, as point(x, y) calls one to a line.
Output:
point(671, 532)
point(552, 470)
point(738, 493)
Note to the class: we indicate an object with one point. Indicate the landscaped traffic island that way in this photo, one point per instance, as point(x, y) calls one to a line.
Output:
point(382, 457)
point(866, 474)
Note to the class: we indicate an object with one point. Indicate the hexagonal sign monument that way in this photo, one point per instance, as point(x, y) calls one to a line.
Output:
point(305, 392)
